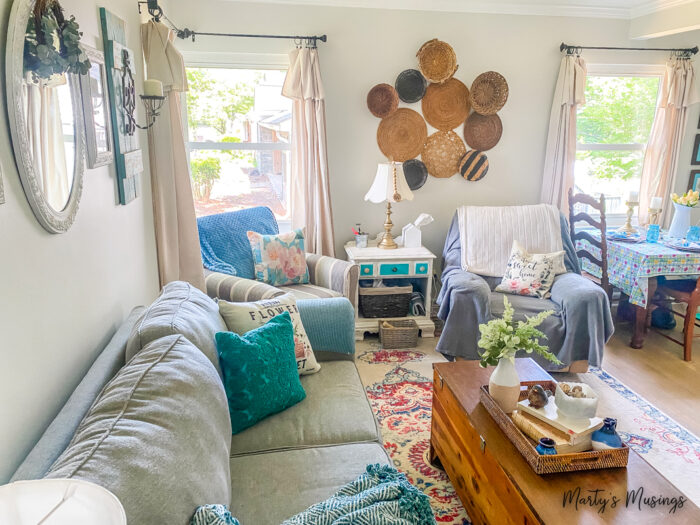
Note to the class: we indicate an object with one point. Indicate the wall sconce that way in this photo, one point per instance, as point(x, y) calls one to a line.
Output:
point(152, 99)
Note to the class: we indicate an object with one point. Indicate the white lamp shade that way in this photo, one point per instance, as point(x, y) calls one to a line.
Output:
point(382, 189)
point(59, 502)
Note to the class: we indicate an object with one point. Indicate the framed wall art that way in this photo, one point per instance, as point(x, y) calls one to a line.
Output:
point(98, 130)
point(694, 180)
point(695, 161)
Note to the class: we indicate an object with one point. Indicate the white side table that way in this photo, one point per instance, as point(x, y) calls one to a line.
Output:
point(401, 263)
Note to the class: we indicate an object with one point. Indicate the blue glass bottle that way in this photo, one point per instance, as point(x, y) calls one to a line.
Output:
point(693, 234)
point(653, 233)
point(606, 437)
point(546, 447)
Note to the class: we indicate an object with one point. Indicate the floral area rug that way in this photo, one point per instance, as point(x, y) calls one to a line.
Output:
point(399, 386)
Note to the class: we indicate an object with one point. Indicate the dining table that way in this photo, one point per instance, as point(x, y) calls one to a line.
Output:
point(634, 268)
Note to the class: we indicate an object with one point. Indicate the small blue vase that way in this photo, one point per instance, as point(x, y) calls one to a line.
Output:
point(693, 234)
point(653, 233)
point(606, 437)
point(546, 447)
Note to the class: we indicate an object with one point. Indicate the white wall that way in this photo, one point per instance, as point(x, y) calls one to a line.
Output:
point(368, 46)
point(62, 296)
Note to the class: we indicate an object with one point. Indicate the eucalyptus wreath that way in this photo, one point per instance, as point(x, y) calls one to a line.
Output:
point(52, 43)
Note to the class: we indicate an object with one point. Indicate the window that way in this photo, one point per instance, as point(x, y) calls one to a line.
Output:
point(239, 128)
point(613, 128)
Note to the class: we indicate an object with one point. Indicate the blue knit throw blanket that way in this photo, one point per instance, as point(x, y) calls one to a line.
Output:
point(380, 496)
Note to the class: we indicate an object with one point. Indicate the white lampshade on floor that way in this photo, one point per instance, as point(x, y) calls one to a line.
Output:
point(382, 189)
point(59, 502)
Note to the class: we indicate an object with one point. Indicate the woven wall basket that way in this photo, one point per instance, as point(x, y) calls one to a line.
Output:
point(489, 93)
point(442, 153)
point(482, 132)
point(437, 60)
point(382, 100)
point(446, 105)
point(411, 85)
point(474, 165)
point(402, 134)
point(416, 173)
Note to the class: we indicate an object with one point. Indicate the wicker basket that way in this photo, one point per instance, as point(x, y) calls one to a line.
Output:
point(390, 301)
point(615, 457)
point(398, 334)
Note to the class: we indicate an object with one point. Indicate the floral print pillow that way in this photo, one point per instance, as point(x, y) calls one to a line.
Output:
point(530, 273)
point(279, 259)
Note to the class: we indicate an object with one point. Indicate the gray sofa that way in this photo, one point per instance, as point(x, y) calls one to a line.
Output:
point(273, 470)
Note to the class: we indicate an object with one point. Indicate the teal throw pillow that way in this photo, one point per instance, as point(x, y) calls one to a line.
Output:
point(259, 371)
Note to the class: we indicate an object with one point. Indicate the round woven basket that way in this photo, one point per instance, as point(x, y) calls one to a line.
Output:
point(382, 100)
point(402, 134)
point(442, 153)
point(410, 85)
point(482, 132)
point(416, 173)
point(489, 93)
point(437, 60)
point(474, 165)
point(446, 105)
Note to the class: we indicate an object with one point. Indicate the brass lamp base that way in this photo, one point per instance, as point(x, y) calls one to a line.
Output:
point(387, 242)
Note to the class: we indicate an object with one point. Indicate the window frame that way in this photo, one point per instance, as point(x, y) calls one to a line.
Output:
point(619, 70)
point(231, 60)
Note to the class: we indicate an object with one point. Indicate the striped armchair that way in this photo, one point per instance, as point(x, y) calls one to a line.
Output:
point(225, 233)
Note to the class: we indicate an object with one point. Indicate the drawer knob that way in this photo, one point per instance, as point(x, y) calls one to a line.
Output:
point(366, 270)
point(394, 269)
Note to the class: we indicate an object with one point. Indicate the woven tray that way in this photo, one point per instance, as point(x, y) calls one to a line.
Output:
point(592, 460)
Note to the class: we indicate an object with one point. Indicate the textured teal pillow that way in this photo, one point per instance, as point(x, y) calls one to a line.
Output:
point(259, 371)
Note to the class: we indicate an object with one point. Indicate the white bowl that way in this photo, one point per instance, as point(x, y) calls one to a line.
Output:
point(577, 407)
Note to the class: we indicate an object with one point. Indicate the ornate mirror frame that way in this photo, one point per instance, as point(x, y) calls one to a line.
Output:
point(52, 220)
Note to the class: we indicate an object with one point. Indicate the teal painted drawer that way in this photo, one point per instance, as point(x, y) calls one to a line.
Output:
point(366, 269)
point(421, 268)
point(393, 269)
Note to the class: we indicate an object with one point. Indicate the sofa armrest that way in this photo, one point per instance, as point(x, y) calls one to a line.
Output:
point(330, 325)
point(237, 289)
point(334, 274)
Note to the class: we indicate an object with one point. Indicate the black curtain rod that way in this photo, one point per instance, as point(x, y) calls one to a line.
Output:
point(156, 13)
point(685, 51)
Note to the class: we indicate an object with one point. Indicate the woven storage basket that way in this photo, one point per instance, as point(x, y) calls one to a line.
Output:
point(402, 134)
point(596, 459)
point(382, 100)
point(482, 132)
point(489, 93)
point(437, 60)
point(442, 153)
point(389, 301)
point(446, 105)
point(400, 334)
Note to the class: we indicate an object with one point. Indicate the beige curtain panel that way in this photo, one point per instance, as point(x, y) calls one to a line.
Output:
point(560, 156)
point(311, 199)
point(678, 91)
point(177, 238)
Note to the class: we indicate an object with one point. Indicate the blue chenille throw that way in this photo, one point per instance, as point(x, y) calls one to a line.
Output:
point(223, 241)
point(380, 496)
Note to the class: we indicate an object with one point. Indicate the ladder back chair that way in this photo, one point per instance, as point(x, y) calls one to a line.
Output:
point(683, 291)
point(602, 243)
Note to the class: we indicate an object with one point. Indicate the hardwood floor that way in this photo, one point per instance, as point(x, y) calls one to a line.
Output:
point(658, 373)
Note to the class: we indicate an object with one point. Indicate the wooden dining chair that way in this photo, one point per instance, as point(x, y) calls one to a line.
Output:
point(681, 291)
point(598, 204)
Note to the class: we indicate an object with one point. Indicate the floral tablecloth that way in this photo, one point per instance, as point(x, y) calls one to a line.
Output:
point(630, 265)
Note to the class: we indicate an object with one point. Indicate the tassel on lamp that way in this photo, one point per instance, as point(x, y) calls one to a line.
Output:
point(389, 186)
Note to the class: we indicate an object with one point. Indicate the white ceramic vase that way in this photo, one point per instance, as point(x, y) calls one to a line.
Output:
point(504, 385)
point(681, 221)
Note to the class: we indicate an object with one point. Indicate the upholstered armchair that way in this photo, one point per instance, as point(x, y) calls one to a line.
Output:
point(576, 332)
point(229, 268)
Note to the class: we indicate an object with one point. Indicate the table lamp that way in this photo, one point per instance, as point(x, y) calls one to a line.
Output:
point(389, 186)
point(59, 502)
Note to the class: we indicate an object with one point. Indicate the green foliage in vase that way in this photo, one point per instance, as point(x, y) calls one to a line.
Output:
point(52, 47)
point(503, 338)
point(204, 172)
point(618, 110)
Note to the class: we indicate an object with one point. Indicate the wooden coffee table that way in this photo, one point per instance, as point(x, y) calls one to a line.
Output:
point(497, 486)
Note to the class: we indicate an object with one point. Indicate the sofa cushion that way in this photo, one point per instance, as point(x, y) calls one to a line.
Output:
point(157, 436)
point(268, 488)
point(180, 309)
point(335, 411)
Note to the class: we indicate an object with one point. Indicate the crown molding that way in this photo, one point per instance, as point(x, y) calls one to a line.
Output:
point(654, 6)
point(469, 6)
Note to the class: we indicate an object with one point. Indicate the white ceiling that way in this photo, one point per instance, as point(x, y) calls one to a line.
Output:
point(595, 8)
